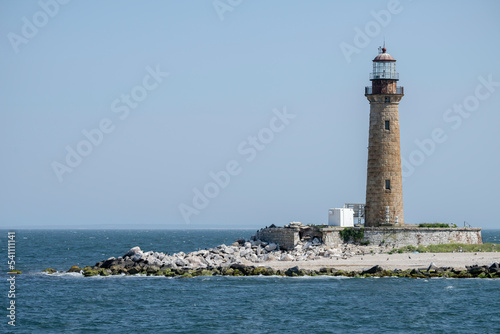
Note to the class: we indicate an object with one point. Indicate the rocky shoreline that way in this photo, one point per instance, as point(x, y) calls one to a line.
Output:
point(254, 257)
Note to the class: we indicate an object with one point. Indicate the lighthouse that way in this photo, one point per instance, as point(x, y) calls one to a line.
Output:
point(384, 187)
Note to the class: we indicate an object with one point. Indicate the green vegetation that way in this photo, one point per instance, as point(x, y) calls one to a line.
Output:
point(89, 271)
point(353, 234)
point(443, 225)
point(317, 226)
point(74, 269)
point(449, 248)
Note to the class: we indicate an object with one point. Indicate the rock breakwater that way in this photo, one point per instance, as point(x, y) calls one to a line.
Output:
point(251, 257)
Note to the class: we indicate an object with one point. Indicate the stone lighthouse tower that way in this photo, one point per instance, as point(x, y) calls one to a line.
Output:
point(384, 188)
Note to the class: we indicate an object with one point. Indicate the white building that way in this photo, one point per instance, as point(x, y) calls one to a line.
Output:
point(343, 217)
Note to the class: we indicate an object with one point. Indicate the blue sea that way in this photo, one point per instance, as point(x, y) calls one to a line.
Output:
point(70, 303)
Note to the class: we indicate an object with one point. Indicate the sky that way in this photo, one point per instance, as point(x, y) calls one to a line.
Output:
point(240, 114)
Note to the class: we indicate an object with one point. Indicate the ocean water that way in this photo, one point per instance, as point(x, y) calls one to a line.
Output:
point(70, 303)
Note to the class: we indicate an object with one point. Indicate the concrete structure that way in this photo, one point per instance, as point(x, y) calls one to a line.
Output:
point(416, 236)
point(288, 237)
point(384, 188)
point(343, 217)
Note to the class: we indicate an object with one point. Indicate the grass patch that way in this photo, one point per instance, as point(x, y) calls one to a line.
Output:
point(442, 225)
point(351, 234)
point(317, 226)
point(450, 248)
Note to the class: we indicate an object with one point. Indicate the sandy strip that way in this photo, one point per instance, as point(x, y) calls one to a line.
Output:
point(391, 262)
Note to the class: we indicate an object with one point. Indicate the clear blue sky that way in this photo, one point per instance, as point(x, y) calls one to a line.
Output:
point(87, 65)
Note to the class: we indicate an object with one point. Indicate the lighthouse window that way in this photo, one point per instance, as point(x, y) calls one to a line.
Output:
point(387, 125)
point(387, 184)
point(387, 99)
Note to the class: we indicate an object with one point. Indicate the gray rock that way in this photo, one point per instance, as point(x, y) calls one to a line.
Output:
point(293, 271)
point(373, 270)
point(137, 256)
point(269, 257)
point(180, 262)
point(270, 247)
point(244, 252)
point(133, 251)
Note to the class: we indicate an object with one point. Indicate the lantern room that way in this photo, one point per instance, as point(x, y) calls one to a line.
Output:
point(384, 66)
point(384, 76)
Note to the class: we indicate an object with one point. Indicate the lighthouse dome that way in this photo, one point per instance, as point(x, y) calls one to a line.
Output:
point(384, 56)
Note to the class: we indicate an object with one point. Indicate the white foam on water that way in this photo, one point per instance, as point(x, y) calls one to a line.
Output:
point(63, 274)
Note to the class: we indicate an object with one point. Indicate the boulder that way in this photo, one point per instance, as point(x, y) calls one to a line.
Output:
point(128, 263)
point(134, 270)
point(152, 269)
point(373, 270)
point(246, 270)
point(180, 262)
point(132, 251)
point(258, 250)
point(287, 257)
point(73, 269)
point(108, 263)
point(137, 256)
point(256, 243)
point(270, 247)
point(245, 251)
point(476, 270)
point(253, 257)
point(269, 257)
point(295, 271)
point(194, 260)
point(89, 271)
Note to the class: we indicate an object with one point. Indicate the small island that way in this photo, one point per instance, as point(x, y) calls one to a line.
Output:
point(317, 250)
